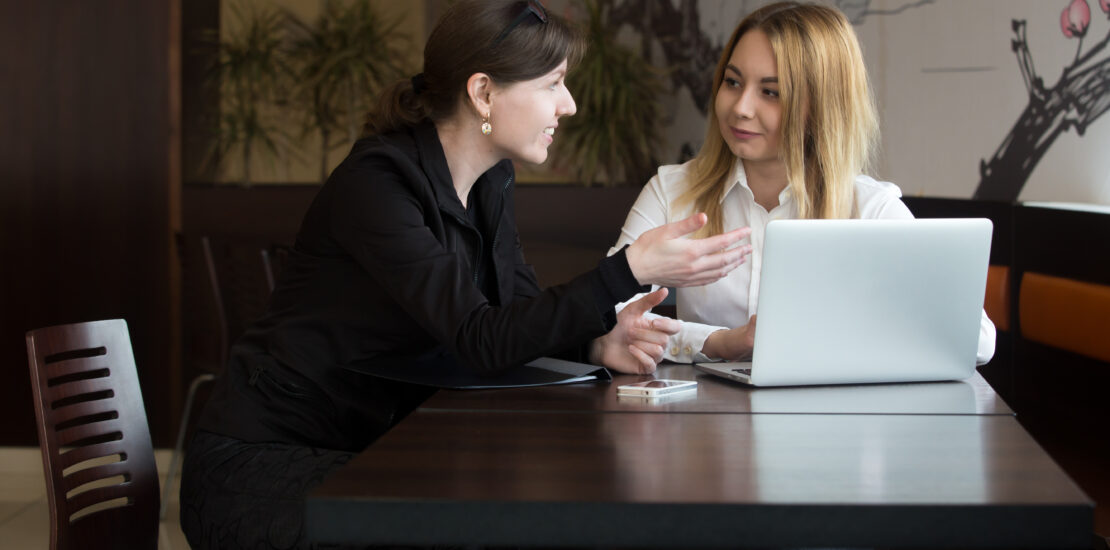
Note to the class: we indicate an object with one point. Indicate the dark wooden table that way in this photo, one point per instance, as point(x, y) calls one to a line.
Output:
point(716, 395)
point(574, 466)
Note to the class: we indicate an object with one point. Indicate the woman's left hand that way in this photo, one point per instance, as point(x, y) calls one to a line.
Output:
point(636, 345)
point(736, 344)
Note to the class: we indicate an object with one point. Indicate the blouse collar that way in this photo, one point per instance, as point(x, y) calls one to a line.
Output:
point(738, 177)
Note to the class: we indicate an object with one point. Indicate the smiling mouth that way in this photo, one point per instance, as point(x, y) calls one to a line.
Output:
point(549, 131)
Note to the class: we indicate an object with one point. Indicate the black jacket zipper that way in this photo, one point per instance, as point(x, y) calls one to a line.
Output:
point(478, 233)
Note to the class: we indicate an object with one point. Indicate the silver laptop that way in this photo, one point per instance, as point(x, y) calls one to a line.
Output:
point(865, 301)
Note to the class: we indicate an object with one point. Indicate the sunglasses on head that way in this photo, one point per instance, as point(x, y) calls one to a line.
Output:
point(532, 7)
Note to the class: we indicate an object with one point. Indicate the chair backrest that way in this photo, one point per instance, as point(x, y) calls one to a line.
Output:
point(226, 283)
point(240, 280)
point(276, 257)
point(203, 323)
point(101, 478)
point(240, 277)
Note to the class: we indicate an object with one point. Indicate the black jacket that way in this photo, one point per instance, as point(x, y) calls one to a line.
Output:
point(384, 269)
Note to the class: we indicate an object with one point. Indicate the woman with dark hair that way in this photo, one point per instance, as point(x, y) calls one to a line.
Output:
point(409, 254)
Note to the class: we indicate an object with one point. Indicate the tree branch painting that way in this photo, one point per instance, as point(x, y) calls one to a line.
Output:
point(1075, 101)
point(858, 10)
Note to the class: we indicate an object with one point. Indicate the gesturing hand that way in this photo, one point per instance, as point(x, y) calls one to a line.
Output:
point(637, 343)
point(662, 257)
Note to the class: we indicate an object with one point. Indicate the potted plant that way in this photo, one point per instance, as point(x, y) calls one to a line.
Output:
point(343, 61)
point(617, 130)
point(252, 72)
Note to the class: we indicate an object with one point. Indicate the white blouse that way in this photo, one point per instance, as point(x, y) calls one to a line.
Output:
point(729, 302)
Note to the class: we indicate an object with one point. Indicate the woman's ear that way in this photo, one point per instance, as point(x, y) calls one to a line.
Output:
point(478, 89)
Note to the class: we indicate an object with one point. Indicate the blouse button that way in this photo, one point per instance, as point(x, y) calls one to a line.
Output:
point(674, 351)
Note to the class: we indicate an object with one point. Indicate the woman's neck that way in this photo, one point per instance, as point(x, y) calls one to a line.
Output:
point(766, 179)
point(468, 154)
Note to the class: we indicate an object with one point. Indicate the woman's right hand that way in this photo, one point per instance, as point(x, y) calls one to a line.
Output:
point(637, 343)
point(735, 344)
point(662, 257)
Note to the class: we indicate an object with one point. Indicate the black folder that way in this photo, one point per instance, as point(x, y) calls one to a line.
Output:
point(443, 371)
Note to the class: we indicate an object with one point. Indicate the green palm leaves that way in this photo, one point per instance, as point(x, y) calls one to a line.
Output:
point(283, 80)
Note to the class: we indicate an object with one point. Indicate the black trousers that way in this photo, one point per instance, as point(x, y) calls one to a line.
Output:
point(236, 494)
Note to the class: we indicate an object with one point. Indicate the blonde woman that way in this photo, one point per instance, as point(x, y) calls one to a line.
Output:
point(792, 128)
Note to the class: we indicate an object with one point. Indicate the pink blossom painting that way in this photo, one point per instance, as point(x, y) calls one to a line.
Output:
point(1075, 18)
point(1079, 97)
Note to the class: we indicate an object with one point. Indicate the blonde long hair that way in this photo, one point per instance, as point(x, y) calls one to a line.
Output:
point(829, 121)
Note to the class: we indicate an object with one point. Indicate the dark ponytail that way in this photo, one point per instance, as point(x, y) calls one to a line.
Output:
point(464, 42)
point(398, 107)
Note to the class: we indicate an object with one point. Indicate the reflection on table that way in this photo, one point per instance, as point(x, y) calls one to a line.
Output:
point(971, 396)
point(686, 480)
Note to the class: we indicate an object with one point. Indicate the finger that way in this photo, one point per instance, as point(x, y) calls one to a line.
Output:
point(646, 364)
point(650, 300)
point(682, 227)
point(720, 241)
point(719, 259)
point(719, 264)
point(702, 281)
point(650, 336)
point(666, 325)
point(652, 350)
point(709, 276)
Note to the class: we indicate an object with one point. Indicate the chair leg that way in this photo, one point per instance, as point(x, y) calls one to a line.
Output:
point(176, 457)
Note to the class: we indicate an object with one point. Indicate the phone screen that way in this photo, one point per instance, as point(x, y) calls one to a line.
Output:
point(656, 387)
point(664, 383)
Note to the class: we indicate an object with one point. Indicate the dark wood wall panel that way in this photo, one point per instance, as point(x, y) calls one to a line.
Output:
point(88, 138)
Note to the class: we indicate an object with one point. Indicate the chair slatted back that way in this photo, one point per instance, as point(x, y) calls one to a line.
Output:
point(101, 478)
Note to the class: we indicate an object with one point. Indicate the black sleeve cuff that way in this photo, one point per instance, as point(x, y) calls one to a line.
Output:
point(616, 283)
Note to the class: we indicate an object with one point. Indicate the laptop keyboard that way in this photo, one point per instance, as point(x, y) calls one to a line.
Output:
point(745, 371)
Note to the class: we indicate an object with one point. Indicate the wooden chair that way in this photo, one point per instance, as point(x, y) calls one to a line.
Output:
point(101, 478)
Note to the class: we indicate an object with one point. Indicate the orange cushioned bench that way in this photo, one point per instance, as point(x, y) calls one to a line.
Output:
point(1062, 300)
point(1067, 314)
point(996, 301)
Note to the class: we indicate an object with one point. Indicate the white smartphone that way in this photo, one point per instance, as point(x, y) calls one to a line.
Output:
point(656, 388)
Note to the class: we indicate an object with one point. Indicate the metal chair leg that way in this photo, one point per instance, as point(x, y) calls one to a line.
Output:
point(176, 457)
